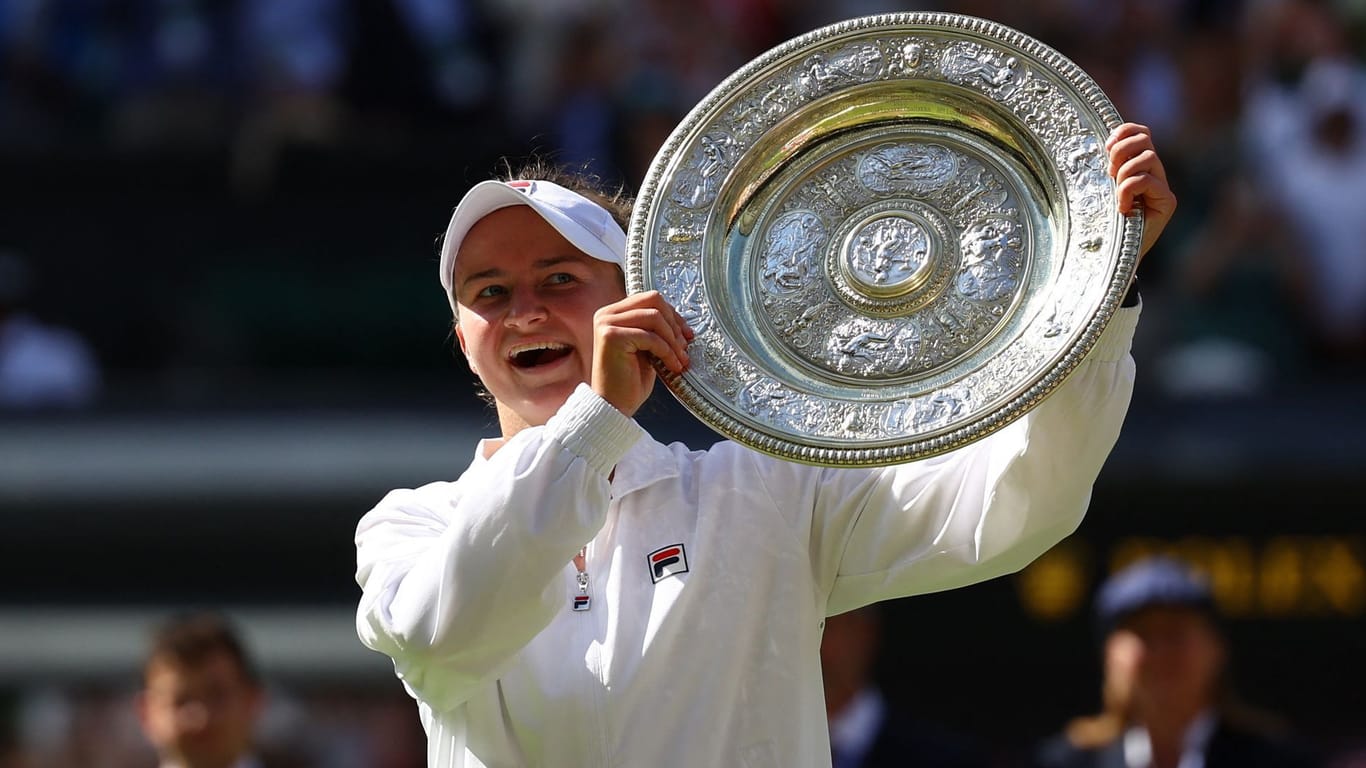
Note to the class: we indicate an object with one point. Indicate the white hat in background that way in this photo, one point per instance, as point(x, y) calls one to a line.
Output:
point(585, 224)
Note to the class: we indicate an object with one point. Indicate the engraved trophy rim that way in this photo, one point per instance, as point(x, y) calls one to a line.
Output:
point(794, 147)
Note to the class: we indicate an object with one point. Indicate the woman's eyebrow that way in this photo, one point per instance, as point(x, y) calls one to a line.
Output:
point(549, 261)
point(482, 274)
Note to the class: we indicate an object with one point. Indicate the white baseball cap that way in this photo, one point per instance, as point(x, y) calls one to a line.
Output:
point(585, 224)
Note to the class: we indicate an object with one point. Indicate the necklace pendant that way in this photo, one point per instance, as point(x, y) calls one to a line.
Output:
point(581, 601)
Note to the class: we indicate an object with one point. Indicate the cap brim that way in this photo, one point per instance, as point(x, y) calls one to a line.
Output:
point(489, 196)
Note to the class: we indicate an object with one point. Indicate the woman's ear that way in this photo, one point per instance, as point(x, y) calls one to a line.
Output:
point(460, 336)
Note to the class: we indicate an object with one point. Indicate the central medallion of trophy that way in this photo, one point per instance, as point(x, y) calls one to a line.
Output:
point(889, 254)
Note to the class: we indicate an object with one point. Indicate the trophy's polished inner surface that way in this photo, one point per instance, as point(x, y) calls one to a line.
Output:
point(892, 236)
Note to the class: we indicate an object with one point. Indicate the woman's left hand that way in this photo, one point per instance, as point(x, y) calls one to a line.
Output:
point(1141, 180)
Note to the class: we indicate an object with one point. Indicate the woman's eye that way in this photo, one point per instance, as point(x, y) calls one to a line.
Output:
point(560, 277)
point(490, 290)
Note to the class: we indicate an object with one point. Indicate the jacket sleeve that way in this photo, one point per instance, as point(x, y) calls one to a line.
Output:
point(984, 510)
point(457, 577)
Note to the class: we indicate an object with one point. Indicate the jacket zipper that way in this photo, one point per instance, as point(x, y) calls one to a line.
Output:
point(596, 693)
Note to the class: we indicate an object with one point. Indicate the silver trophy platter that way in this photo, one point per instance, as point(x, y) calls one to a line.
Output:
point(892, 236)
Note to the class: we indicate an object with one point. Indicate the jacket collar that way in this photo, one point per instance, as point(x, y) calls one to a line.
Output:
point(646, 463)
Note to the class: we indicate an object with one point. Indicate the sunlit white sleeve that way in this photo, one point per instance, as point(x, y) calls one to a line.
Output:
point(456, 577)
point(981, 511)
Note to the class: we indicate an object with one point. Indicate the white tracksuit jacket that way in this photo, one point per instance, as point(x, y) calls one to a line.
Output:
point(467, 585)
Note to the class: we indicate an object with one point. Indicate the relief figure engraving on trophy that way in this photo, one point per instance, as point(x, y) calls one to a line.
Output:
point(832, 192)
point(1047, 112)
point(970, 63)
point(770, 103)
point(952, 326)
point(682, 285)
point(984, 194)
point(906, 56)
point(991, 260)
point(1059, 320)
point(699, 182)
point(906, 167)
point(1083, 161)
point(790, 247)
point(924, 413)
point(764, 399)
point(803, 318)
point(875, 348)
point(854, 64)
point(718, 363)
point(888, 254)
point(940, 410)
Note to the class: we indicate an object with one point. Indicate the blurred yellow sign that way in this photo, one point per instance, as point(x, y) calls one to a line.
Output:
point(1281, 577)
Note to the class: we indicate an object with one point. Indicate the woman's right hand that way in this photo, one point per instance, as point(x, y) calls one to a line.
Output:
point(628, 335)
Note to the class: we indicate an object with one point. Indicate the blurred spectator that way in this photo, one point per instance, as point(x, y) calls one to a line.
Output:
point(331, 74)
point(648, 110)
point(446, 32)
point(90, 727)
point(94, 726)
point(865, 731)
point(1282, 39)
point(42, 367)
point(294, 56)
point(60, 68)
point(202, 695)
point(175, 71)
point(1305, 128)
point(537, 35)
point(1167, 700)
point(582, 118)
point(1236, 292)
point(1202, 145)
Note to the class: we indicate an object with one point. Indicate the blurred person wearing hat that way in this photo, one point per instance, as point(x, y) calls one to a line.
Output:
point(42, 366)
point(1167, 701)
point(585, 595)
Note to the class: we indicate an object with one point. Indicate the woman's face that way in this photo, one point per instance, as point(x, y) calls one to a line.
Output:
point(526, 299)
point(1166, 658)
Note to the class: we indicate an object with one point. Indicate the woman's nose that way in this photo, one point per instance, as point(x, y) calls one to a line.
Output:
point(525, 307)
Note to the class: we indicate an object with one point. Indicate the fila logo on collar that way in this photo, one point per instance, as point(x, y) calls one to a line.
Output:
point(667, 561)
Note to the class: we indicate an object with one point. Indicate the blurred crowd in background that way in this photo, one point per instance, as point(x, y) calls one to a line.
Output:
point(233, 203)
point(260, 140)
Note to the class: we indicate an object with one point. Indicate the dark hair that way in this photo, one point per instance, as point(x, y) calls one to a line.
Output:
point(582, 180)
point(190, 639)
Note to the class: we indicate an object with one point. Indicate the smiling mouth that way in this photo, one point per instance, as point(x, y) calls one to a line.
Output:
point(536, 355)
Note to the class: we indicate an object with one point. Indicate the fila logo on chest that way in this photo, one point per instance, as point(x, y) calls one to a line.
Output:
point(667, 561)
